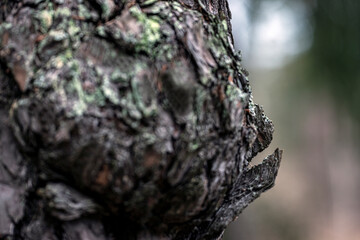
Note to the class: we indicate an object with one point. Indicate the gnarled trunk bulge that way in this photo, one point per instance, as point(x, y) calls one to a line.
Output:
point(125, 120)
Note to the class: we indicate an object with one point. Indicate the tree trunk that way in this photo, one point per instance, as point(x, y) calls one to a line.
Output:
point(125, 120)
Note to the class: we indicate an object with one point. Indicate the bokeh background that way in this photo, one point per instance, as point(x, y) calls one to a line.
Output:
point(304, 62)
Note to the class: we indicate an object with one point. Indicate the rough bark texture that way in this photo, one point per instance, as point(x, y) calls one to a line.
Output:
point(125, 120)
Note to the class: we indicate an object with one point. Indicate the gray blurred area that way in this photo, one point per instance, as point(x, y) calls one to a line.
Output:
point(304, 62)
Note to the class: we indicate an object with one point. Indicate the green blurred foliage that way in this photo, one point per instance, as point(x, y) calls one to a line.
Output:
point(333, 61)
point(332, 64)
point(334, 58)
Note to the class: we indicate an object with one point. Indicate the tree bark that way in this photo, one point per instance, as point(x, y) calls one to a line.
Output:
point(125, 120)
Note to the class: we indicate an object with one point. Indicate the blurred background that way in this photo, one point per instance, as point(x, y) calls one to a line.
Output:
point(304, 62)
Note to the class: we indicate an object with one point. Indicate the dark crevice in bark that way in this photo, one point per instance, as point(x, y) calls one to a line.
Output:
point(30, 211)
point(9, 90)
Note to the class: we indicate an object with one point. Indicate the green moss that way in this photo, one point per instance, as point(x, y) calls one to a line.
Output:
point(146, 111)
point(45, 19)
point(148, 138)
point(118, 76)
point(130, 106)
point(225, 25)
point(194, 146)
point(73, 87)
point(177, 7)
point(101, 31)
point(205, 79)
point(56, 42)
point(151, 30)
point(107, 8)
point(58, 35)
point(97, 97)
point(79, 106)
point(73, 29)
point(84, 12)
point(63, 12)
point(109, 92)
point(234, 93)
point(149, 2)
point(160, 8)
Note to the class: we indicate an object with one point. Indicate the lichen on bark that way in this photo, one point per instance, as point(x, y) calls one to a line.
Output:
point(131, 115)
